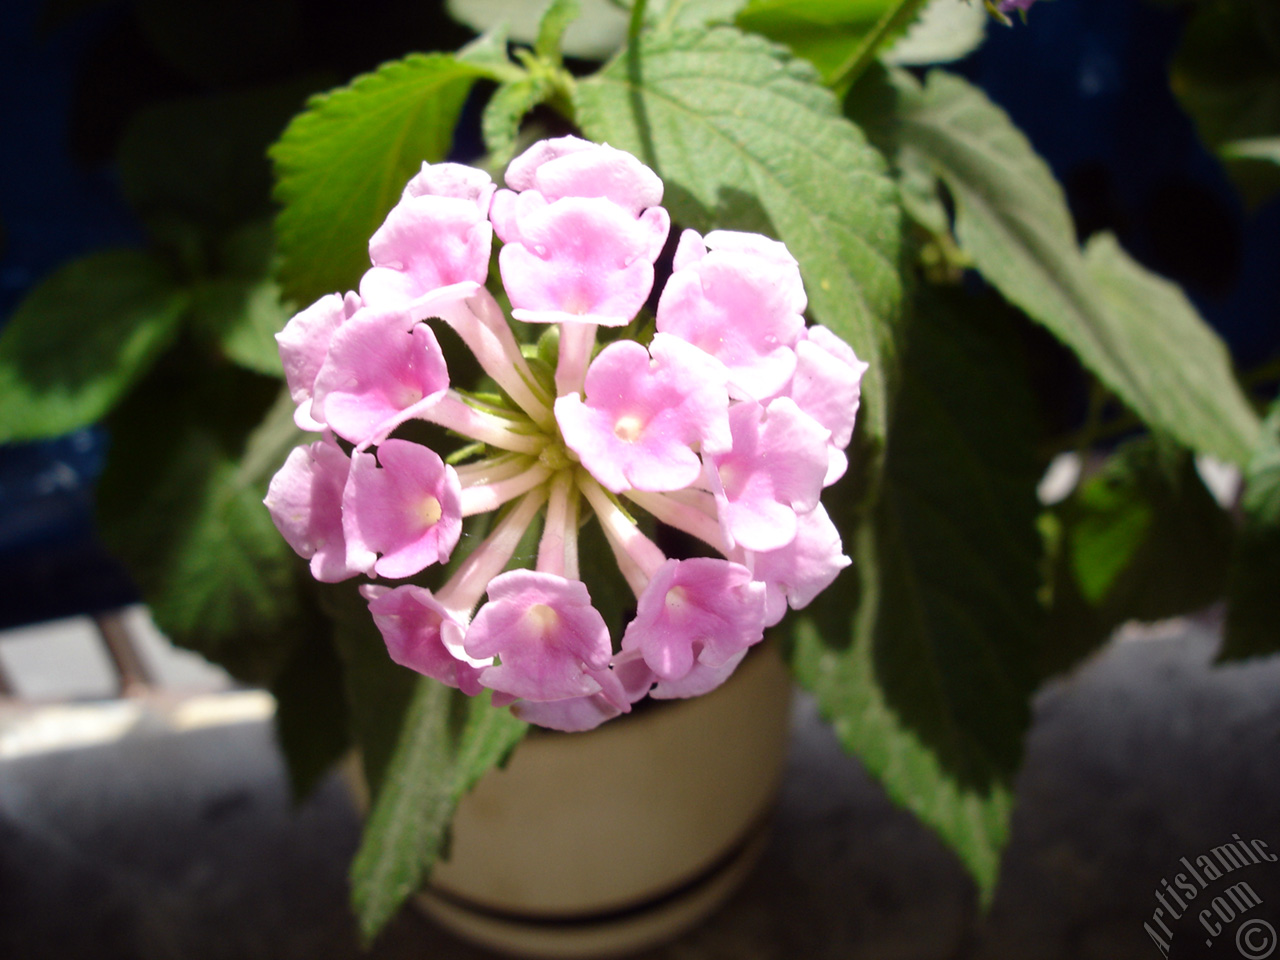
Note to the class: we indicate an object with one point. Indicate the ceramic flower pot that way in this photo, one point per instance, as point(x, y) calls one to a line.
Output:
point(607, 842)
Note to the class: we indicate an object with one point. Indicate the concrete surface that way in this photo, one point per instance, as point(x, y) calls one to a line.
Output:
point(176, 838)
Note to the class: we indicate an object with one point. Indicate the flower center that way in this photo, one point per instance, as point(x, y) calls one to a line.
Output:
point(731, 478)
point(555, 456)
point(676, 600)
point(407, 395)
point(429, 510)
point(541, 619)
point(628, 428)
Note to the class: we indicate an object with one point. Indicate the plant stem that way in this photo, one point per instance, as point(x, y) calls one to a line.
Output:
point(637, 20)
point(893, 20)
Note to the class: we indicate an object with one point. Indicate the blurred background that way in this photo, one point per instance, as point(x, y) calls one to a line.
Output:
point(166, 829)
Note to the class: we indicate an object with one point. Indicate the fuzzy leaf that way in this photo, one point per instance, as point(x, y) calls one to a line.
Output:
point(933, 690)
point(81, 339)
point(821, 31)
point(834, 35)
point(180, 502)
point(555, 20)
point(343, 162)
point(503, 113)
point(448, 741)
point(1133, 329)
point(946, 30)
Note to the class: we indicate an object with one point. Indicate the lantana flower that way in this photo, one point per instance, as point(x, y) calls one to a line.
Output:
point(726, 423)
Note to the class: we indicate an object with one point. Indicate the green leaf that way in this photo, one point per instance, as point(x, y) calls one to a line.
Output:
point(745, 139)
point(343, 162)
point(821, 31)
point(245, 316)
point(1254, 165)
point(946, 30)
point(1144, 538)
point(839, 37)
point(500, 123)
point(180, 502)
point(595, 34)
point(81, 339)
point(555, 20)
point(1259, 148)
point(1134, 330)
point(1226, 72)
point(933, 691)
point(693, 14)
point(1253, 619)
point(202, 160)
point(489, 52)
point(448, 742)
point(1174, 358)
point(241, 308)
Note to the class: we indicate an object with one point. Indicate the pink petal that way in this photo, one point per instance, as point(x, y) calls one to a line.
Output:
point(622, 685)
point(762, 247)
point(426, 242)
point(642, 417)
point(571, 715)
point(572, 167)
point(582, 260)
point(381, 367)
point(522, 170)
point(801, 570)
point(455, 180)
point(827, 386)
point(545, 633)
point(774, 470)
point(739, 306)
point(510, 209)
point(408, 510)
point(419, 631)
point(303, 344)
point(305, 501)
point(701, 610)
point(689, 250)
point(699, 680)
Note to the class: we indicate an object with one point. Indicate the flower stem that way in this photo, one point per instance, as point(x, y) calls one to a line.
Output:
point(483, 328)
point(683, 516)
point(492, 469)
point(558, 549)
point(454, 413)
point(469, 582)
point(895, 18)
point(576, 343)
point(638, 557)
point(484, 497)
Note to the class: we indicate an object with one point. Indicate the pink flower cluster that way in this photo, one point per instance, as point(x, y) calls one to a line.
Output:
point(726, 425)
